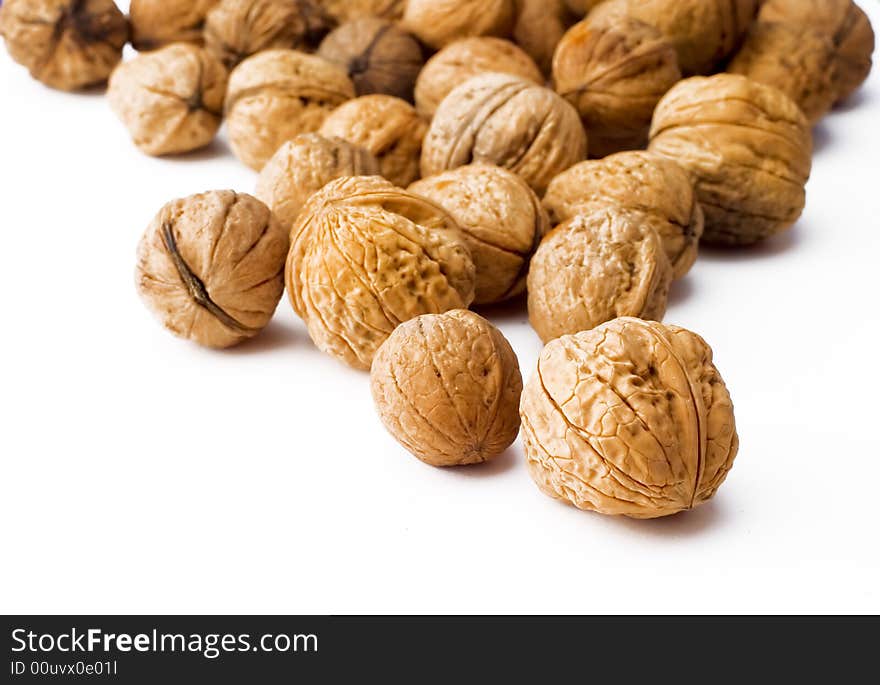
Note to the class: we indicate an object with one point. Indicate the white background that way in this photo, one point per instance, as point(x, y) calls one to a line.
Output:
point(141, 473)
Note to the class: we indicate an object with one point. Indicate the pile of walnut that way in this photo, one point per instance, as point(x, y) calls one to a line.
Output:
point(419, 157)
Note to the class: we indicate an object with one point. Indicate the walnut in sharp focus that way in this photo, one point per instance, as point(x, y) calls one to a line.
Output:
point(66, 44)
point(367, 256)
point(642, 183)
point(276, 95)
point(171, 100)
point(747, 149)
point(631, 418)
point(156, 23)
point(388, 127)
point(304, 165)
point(379, 56)
point(540, 25)
point(440, 22)
point(594, 268)
point(347, 10)
point(502, 221)
point(614, 71)
point(507, 121)
point(447, 387)
point(211, 267)
point(464, 59)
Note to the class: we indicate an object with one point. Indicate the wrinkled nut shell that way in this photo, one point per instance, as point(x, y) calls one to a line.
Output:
point(367, 256)
point(595, 268)
point(211, 267)
point(540, 25)
point(631, 418)
point(447, 387)
point(502, 221)
point(156, 23)
point(440, 22)
point(171, 100)
point(65, 44)
point(747, 149)
point(347, 10)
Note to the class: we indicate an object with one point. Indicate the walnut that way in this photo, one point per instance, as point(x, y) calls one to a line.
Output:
point(614, 72)
point(844, 22)
point(347, 10)
point(631, 418)
point(210, 267)
point(508, 121)
point(594, 268)
point(304, 165)
point(379, 56)
point(464, 59)
point(747, 148)
point(447, 387)
point(502, 221)
point(388, 127)
point(440, 22)
point(170, 100)
point(156, 23)
point(237, 29)
point(540, 25)
point(66, 44)
point(640, 182)
point(367, 256)
point(275, 96)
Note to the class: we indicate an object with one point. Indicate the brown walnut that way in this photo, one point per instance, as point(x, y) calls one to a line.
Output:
point(540, 25)
point(440, 22)
point(347, 10)
point(156, 23)
point(581, 8)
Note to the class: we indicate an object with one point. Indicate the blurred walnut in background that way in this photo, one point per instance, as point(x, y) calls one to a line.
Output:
point(156, 23)
point(440, 22)
point(540, 25)
point(347, 10)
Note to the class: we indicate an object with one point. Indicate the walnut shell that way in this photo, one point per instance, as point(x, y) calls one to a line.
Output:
point(237, 29)
point(388, 127)
point(367, 256)
point(171, 100)
point(156, 23)
point(462, 60)
point(276, 95)
point(507, 121)
point(347, 10)
point(614, 72)
point(440, 22)
point(379, 56)
point(447, 387)
point(304, 165)
point(844, 22)
point(540, 25)
point(210, 267)
point(502, 221)
point(747, 148)
point(594, 268)
point(65, 44)
point(642, 182)
point(631, 418)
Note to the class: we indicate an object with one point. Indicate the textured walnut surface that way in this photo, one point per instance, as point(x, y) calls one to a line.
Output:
point(440, 22)
point(595, 268)
point(367, 256)
point(637, 181)
point(502, 220)
point(540, 25)
point(507, 121)
point(66, 44)
point(346, 10)
point(211, 267)
point(171, 100)
point(631, 418)
point(447, 387)
point(747, 149)
point(156, 23)
point(276, 95)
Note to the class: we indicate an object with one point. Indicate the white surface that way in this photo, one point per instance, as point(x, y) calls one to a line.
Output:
point(143, 474)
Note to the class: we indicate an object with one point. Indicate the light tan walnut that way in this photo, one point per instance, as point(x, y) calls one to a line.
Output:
point(304, 165)
point(581, 8)
point(275, 96)
point(347, 10)
point(540, 25)
point(507, 121)
point(629, 419)
point(388, 127)
point(367, 256)
point(65, 44)
point(440, 22)
point(464, 59)
point(594, 268)
point(157, 23)
point(747, 149)
point(614, 72)
point(639, 182)
point(171, 100)
point(447, 387)
point(211, 267)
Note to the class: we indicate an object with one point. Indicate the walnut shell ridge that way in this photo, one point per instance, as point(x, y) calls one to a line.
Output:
point(631, 418)
point(157, 23)
point(440, 22)
point(447, 387)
